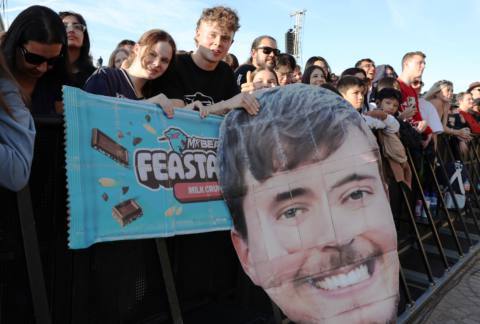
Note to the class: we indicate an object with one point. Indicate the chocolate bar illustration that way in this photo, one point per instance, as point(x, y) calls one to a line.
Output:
point(101, 142)
point(127, 211)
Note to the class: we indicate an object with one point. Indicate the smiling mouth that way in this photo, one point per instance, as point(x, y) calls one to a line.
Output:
point(344, 277)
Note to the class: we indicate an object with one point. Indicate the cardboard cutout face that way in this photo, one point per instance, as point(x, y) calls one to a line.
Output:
point(314, 231)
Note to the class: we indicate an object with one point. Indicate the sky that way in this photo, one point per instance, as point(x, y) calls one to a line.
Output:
point(342, 31)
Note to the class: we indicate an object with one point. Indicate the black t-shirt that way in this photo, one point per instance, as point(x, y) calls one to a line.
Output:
point(241, 73)
point(110, 82)
point(82, 75)
point(188, 82)
point(47, 91)
point(456, 121)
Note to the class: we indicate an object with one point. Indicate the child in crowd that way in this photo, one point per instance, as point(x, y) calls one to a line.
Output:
point(388, 100)
point(352, 90)
point(314, 75)
point(284, 68)
point(260, 78)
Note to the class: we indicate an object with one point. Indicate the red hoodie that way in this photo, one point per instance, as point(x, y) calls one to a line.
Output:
point(472, 123)
point(410, 98)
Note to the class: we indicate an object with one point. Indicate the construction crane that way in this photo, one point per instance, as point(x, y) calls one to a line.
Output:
point(293, 37)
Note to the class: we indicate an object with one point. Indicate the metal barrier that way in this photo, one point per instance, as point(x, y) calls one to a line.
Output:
point(79, 283)
point(444, 241)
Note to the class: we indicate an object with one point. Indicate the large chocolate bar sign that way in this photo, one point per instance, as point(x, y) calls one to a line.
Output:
point(189, 167)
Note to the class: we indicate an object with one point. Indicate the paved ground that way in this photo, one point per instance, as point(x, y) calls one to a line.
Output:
point(461, 302)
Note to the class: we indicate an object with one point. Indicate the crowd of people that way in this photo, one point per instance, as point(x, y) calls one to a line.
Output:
point(43, 50)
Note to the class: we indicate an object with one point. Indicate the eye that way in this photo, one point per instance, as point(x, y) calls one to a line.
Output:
point(291, 213)
point(355, 196)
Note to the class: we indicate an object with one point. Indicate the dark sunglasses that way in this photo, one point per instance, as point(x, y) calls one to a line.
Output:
point(267, 50)
point(36, 59)
point(416, 83)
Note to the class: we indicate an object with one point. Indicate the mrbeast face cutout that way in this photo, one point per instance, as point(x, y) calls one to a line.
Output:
point(312, 223)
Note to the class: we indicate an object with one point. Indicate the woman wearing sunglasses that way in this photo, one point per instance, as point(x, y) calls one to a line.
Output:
point(149, 59)
point(17, 133)
point(78, 47)
point(35, 49)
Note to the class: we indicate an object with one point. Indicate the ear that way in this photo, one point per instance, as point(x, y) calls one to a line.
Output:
point(253, 53)
point(197, 34)
point(243, 253)
point(136, 48)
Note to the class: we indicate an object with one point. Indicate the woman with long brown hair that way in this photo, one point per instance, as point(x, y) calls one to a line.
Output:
point(149, 59)
point(36, 52)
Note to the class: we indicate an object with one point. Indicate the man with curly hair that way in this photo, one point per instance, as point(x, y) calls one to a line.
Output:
point(201, 78)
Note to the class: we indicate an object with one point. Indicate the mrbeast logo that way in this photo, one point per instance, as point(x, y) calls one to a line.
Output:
point(189, 167)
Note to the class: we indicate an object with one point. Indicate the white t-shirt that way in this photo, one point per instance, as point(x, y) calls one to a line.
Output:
point(430, 115)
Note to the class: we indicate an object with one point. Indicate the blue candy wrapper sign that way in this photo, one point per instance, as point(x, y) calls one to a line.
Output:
point(133, 173)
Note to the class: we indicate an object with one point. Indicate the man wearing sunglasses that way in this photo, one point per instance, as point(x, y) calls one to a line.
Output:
point(263, 53)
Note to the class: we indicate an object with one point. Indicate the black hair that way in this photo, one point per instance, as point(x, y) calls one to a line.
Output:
point(311, 61)
point(124, 42)
point(234, 61)
point(43, 25)
point(268, 143)
point(389, 93)
point(359, 62)
point(285, 59)
point(353, 71)
point(347, 82)
point(308, 72)
point(85, 59)
point(332, 88)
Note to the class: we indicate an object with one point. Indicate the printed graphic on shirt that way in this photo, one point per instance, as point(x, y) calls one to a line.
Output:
point(198, 96)
point(409, 103)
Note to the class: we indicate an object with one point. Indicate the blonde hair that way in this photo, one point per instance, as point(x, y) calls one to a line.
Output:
point(436, 88)
point(409, 55)
point(225, 17)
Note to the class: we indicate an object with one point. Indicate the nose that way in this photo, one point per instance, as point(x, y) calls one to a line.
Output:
point(338, 246)
point(69, 28)
point(42, 67)
point(217, 40)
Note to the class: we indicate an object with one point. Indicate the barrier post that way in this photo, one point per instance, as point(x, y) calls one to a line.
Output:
point(32, 256)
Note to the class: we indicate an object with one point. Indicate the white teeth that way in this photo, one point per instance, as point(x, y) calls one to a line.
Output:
point(350, 278)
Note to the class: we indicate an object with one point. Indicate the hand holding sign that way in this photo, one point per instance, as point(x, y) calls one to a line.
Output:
point(164, 103)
